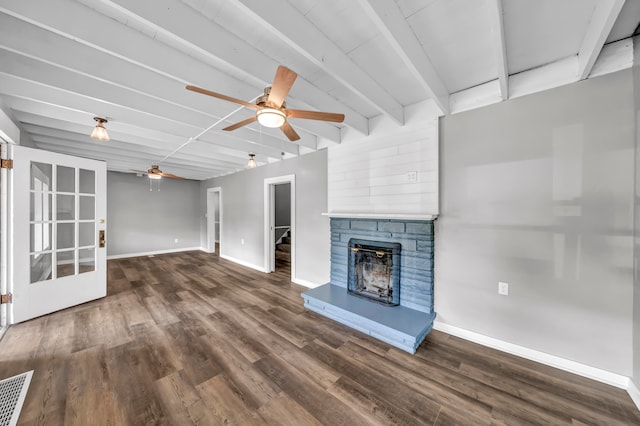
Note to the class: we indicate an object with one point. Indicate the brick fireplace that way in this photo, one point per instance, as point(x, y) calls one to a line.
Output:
point(404, 325)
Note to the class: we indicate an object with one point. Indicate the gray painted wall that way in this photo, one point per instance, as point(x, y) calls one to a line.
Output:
point(283, 204)
point(142, 221)
point(538, 192)
point(243, 217)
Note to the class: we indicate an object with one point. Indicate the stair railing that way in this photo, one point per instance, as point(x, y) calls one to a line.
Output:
point(283, 231)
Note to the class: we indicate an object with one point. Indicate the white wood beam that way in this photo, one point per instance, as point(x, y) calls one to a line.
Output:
point(82, 142)
point(253, 65)
point(124, 164)
point(135, 160)
point(9, 132)
point(167, 70)
point(153, 133)
point(100, 90)
point(293, 28)
point(602, 20)
point(21, 87)
point(497, 15)
point(388, 19)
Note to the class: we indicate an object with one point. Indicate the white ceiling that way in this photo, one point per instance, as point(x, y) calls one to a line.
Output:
point(62, 62)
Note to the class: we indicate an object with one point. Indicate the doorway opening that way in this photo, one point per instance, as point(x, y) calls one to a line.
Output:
point(214, 220)
point(280, 234)
point(282, 227)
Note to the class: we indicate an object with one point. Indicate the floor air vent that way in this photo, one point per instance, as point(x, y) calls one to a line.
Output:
point(13, 391)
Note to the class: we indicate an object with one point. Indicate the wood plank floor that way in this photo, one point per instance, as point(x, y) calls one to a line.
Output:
point(190, 338)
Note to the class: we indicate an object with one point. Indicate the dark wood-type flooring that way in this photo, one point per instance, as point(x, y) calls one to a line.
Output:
point(190, 338)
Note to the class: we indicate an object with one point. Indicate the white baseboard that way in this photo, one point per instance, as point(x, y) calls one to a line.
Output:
point(151, 253)
point(243, 263)
point(584, 370)
point(305, 283)
point(634, 393)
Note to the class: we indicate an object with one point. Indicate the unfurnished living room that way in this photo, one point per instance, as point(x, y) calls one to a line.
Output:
point(284, 212)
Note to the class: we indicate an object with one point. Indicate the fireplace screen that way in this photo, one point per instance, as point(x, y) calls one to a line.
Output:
point(374, 271)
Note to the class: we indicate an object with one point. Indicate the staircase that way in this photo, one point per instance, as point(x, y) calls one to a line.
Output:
point(283, 249)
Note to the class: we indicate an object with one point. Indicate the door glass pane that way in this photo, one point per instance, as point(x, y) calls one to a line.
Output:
point(40, 208)
point(40, 176)
point(87, 207)
point(87, 181)
point(66, 235)
point(40, 267)
point(40, 237)
point(72, 223)
point(66, 179)
point(66, 207)
point(86, 234)
point(65, 263)
point(87, 260)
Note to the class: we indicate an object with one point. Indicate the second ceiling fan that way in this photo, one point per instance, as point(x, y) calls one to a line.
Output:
point(271, 109)
point(155, 173)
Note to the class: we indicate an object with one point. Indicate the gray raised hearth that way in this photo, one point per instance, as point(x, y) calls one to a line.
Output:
point(404, 326)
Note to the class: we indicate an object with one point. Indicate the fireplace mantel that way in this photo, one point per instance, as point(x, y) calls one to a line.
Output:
point(396, 216)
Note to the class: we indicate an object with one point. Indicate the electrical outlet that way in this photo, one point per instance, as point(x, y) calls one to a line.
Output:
point(242, 241)
point(175, 240)
point(412, 177)
point(503, 288)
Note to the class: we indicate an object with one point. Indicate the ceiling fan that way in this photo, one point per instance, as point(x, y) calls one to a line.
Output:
point(271, 108)
point(155, 173)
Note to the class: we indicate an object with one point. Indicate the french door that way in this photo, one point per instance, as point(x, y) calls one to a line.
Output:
point(57, 232)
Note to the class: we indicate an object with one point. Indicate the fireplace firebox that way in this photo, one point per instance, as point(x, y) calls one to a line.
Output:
point(374, 271)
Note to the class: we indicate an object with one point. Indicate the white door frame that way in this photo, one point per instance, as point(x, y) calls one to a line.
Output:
point(269, 221)
point(211, 217)
point(5, 212)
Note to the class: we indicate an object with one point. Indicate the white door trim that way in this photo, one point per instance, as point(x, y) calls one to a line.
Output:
point(5, 281)
point(269, 222)
point(211, 245)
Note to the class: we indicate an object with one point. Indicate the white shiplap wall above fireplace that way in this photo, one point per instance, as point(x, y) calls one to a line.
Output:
point(393, 172)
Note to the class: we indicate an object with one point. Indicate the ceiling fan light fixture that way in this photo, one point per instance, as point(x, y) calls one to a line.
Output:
point(252, 161)
point(271, 117)
point(154, 172)
point(100, 132)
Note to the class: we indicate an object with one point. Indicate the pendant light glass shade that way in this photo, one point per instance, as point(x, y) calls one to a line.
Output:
point(252, 161)
point(99, 132)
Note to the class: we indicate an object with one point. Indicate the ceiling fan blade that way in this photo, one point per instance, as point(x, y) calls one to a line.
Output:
point(282, 83)
point(169, 175)
point(315, 115)
point(221, 96)
point(288, 130)
point(139, 171)
point(241, 123)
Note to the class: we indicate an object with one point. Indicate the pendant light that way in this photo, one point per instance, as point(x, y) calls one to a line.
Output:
point(99, 132)
point(252, 161)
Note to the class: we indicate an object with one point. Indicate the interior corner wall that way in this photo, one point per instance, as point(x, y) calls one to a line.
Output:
point(636, 218)
point(142, 221)
point(243, 214)
point(538, 192)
